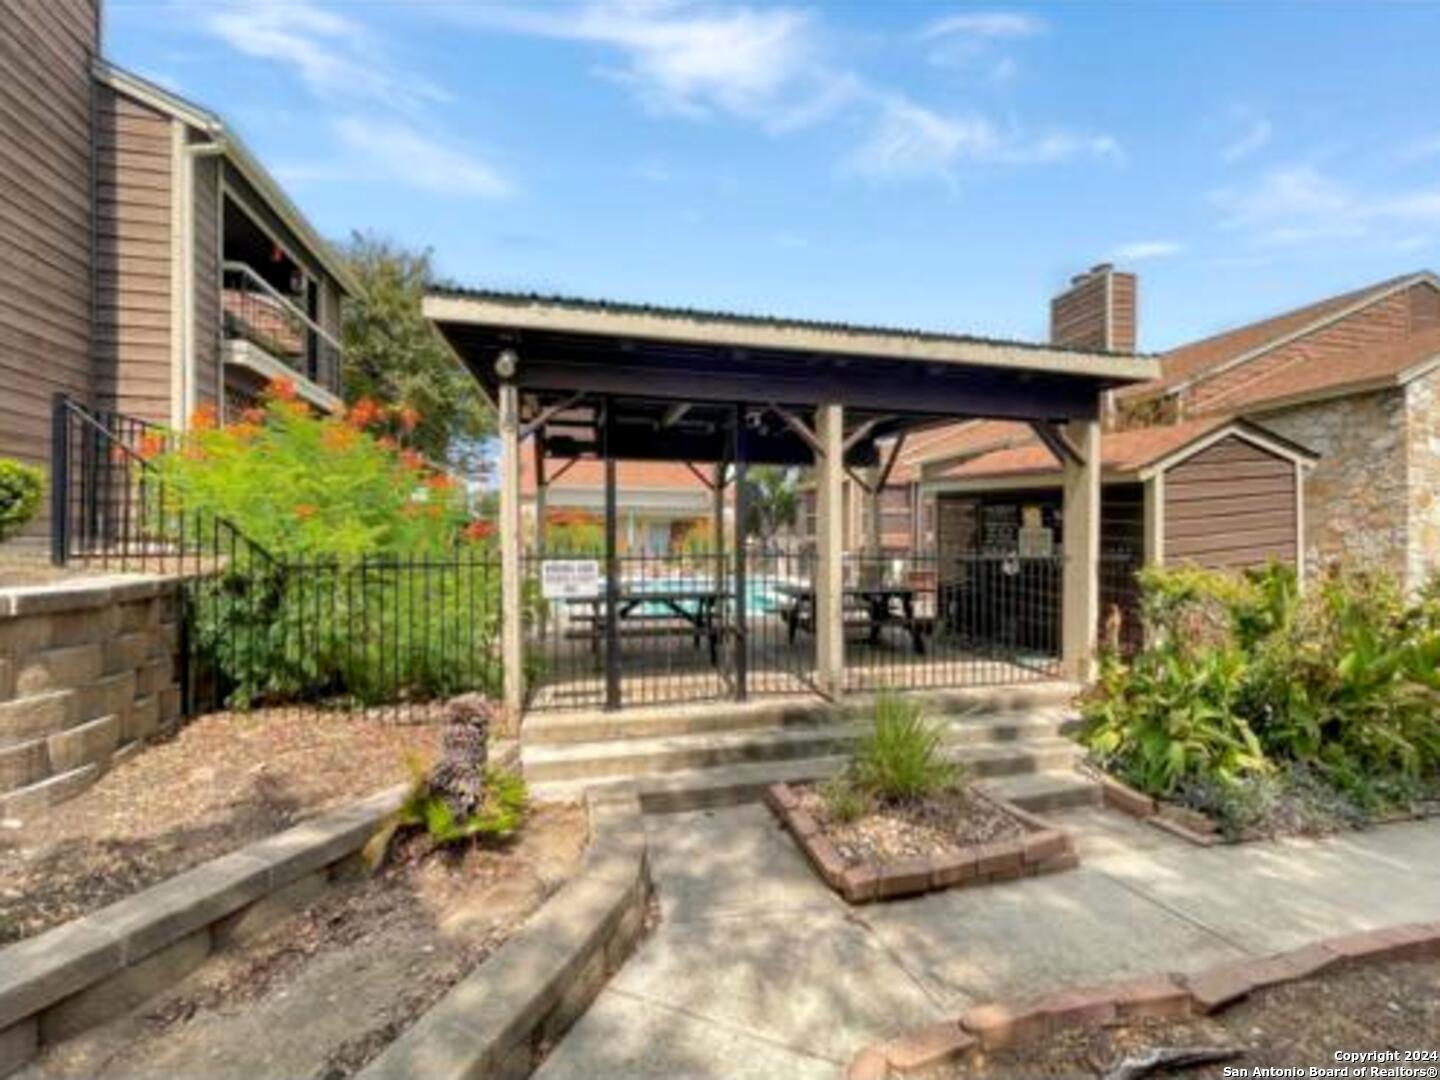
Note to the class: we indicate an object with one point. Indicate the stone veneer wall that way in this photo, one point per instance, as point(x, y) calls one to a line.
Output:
point(1422, 446)
point(87, 673)
point(1358, 498)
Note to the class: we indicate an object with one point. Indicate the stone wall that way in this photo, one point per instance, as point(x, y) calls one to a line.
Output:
point(1422, 447)
point(87, 673)
point(1358, 497)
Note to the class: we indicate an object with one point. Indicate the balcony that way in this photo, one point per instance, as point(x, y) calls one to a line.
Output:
point(265, 332)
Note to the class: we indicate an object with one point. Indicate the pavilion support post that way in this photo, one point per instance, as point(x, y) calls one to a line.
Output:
point(742, 618)
point(1080, 604)
point(542, 487)
point(873, 504)
point(511, 627)
point(717, 510)
point(612, 565)
point(830, 550)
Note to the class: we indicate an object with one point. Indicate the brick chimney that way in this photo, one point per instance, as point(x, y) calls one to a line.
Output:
point(1097, 311)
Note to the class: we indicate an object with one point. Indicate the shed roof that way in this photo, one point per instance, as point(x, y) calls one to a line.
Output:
point(1124, 454)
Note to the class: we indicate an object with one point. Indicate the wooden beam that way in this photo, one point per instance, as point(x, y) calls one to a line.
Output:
point(1057, 442)
point(795, 424)
point(709, 484)
point(675, 414)
point(558, 473)
point(895, 449)
point(865, 429)
point(545, 414)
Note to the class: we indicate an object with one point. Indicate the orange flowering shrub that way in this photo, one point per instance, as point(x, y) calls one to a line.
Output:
point(305, 484)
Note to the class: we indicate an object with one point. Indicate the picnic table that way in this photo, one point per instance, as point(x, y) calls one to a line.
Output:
point(883, 605)
point(694, 610)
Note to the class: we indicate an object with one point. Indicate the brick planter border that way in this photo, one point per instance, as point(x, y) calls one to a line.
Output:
point(1015, 1022)
point(1043, 849)
point(500, 1019)
point(1189, 825)
point(93, 968)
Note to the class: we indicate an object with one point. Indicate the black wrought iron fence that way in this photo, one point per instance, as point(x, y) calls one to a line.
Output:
point(260, 630)
point(653, 629)
point(1121, 625)
point(923, 621)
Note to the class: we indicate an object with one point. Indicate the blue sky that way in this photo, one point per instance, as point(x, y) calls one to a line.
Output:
point(939, 165)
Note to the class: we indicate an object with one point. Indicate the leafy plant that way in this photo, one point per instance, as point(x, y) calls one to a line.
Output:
point(501, 813)
point(20, 489)
point(1244, 674)
point(844, 800)
point(902, 757)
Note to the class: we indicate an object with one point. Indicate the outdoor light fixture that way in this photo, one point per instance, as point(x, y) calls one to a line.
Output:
point(506, 363)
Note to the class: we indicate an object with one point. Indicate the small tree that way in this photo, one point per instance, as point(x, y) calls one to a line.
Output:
point(771, 502)
point(394, 355)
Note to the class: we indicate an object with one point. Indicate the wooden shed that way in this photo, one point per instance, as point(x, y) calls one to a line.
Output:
point(1215, 492)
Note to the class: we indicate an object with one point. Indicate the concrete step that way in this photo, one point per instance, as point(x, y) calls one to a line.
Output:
point(691, 789)
point(634, 756)
point(1047, 791)
point(545, 729)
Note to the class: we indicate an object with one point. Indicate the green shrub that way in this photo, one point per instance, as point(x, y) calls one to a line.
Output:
point(1245, 672)
point(20, 489)
point(377, 588)
point(902, 756)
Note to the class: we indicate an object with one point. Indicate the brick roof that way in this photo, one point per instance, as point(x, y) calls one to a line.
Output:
point(1122, 452)
point(951, 439)
point(1189, 360)
point(588, 474)
point(1362, 366)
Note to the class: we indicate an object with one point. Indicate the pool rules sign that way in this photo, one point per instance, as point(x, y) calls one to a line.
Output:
point(563, 579)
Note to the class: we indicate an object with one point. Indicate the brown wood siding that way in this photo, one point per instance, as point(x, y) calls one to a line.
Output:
point(1231, 505)
point(47, 48)
point(136, 188)
point(206, 294)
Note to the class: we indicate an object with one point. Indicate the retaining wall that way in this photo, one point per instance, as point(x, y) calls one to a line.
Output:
point(87, 673)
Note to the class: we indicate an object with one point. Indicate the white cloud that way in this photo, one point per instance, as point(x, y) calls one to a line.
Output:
point(1255, 136)
point(1426, 147)
point(909, 140)
point(761, 64)
point(335, 56)
point(971, 40)
point(986, 24)
point(1299, 203)
point(397, 152)
point(1146, 249)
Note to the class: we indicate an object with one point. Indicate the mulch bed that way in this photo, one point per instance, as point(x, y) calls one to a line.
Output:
point(223, 781)
point(334, 985)
point(1300, 1024)
point(944, 823)
point(962, 836)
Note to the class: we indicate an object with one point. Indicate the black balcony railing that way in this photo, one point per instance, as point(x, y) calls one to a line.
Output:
point(258, 313)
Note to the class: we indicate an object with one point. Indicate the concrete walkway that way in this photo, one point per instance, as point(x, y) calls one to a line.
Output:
point(758, 970)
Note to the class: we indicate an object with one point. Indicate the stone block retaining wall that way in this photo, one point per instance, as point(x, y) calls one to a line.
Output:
point(88, 671)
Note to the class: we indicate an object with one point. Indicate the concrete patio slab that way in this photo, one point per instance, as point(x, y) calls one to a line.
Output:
point(1035, 935)
point(815, 981)
point(1266, 897)
point(758, 970)
point(727, 862)
point(625, 1036)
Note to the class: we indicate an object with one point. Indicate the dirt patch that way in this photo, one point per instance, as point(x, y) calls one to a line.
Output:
point(945, 823)
point(223, 781)
point(323, 993)
point(1296, 1025)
